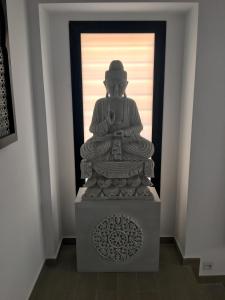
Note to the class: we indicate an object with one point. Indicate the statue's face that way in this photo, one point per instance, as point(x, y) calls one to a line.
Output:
point(115, 87)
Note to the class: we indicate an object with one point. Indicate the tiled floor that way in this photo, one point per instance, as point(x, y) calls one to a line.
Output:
point(173, 282)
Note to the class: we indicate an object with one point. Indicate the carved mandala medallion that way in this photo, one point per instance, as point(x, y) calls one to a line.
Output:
point(117, 238)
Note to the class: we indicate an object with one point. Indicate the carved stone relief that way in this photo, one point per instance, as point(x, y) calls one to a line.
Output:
point(117, 238)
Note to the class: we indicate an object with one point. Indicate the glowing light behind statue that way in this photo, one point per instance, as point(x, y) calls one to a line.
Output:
point(136, 51)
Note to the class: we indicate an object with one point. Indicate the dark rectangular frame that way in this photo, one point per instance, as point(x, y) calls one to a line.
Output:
point(12, 137)
point(75, 30)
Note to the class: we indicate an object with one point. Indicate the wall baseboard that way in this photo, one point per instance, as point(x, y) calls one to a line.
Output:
point(36, 279)
point(194, 263)
point(166, 240)
point(53, 260)
point(69, 241)
point(64, 241)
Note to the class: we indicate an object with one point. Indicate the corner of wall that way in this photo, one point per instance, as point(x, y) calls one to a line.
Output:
point(187, 100)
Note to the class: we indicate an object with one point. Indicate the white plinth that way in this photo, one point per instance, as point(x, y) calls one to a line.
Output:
point(117, 235)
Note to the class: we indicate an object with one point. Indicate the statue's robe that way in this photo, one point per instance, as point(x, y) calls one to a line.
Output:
point(105, 146)
point(130, 122)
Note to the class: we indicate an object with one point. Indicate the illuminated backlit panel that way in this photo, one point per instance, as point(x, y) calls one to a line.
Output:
point(136, 51)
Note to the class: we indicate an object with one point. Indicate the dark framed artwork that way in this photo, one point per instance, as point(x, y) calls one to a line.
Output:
point(7, 116)
point(76, 28)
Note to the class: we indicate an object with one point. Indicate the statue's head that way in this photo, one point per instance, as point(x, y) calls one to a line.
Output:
point(116, 79)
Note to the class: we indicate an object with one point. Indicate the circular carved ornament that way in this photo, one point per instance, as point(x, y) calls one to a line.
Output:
point(117, 238)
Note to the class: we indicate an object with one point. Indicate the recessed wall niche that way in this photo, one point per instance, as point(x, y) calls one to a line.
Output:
point(55, 43)
point(140, 45)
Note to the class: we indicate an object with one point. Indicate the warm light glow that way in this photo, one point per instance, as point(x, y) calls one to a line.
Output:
point(136, 51)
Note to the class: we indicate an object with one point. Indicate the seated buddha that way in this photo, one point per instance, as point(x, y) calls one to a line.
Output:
point(116, 159)
point(116, 124)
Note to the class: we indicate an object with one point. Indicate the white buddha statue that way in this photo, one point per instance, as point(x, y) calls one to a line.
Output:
point(116, 159)
point(116, 124)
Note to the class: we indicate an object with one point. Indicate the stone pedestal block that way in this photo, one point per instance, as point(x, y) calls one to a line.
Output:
point(117, 235)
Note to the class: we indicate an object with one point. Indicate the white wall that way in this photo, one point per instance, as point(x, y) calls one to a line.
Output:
point(206, 200)
point(171, 117)
point(51, 124)
point(21, 245)
point(45, 131)
point(58, 48)
point(185, 125)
